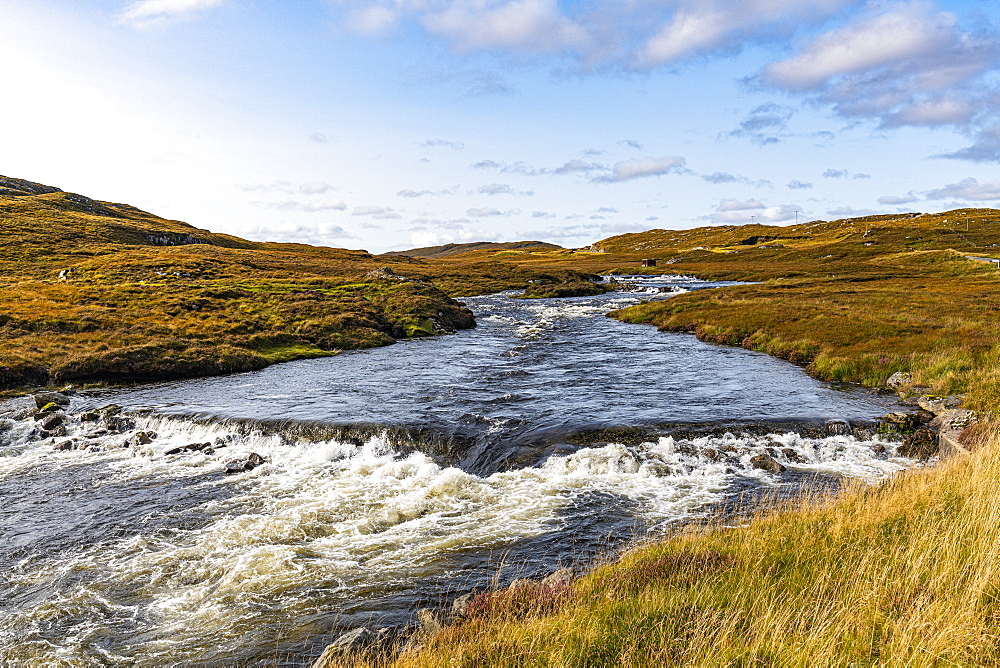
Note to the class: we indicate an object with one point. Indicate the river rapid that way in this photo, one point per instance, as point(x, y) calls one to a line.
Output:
point(393, 479)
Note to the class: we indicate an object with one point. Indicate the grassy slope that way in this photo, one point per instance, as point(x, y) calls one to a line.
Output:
point(146, 298)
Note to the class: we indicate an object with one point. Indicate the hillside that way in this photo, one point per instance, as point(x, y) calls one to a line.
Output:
point(457, 249)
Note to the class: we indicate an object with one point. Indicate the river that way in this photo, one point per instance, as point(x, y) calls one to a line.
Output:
point(394, 478)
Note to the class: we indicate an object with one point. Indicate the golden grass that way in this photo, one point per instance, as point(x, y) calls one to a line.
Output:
point(906, 573)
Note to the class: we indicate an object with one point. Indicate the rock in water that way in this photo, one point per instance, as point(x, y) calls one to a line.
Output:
point(43, 398)
point(249, 463)
point(766, 463)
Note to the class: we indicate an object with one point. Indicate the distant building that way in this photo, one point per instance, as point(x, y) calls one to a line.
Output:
point(649, 263)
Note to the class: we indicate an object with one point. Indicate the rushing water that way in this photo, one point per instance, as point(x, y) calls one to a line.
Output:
point(394, 478)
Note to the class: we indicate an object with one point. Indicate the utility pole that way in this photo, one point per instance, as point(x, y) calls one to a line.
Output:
point(796, 216)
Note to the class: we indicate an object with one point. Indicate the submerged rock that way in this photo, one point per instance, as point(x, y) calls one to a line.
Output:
point(191, 447)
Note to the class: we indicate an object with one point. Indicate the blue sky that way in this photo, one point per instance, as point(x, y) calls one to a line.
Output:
point(389, 124)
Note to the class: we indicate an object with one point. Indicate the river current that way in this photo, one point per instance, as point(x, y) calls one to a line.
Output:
point(393, 479)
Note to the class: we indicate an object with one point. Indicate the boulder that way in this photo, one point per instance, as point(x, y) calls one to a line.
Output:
point(140, 438)
point(936, 404)
point(953, 420)
point(89, 416)
point(43, 398)
point(766, 463)
point(65, 445)
point(898, 380)
point(51, 421)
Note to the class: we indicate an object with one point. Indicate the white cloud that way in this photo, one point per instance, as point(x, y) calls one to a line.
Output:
point(421, 238)
point(799, 185)
point(147, 13)
point(642, 168)
point(495, 189)
point(890, 200)
point(376, 212)
point(731, 211)
point(849, 212)
point(373, 21)
point(906, 66)
point(488, 212)
point(527, 25)
point(577, 166)
point(967, 189)
point(705, 26)
point(446, 143)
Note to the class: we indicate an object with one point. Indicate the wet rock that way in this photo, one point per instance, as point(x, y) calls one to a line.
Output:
point(65, 445)
point(43, 398)
point(901, 420)
point(119, 424)
point(57, 432)
point(109, 411)
point(191, 447)
point(838, 428)
point(140, 438)
point(898, 380)
point(878, 448)
point(50, 407)
point(89, 416)
point(792, 456)
point(6, 424)
point(248, 463)
point(864, 434)
point(658, 469)
point(766, 463)
point(922, 444)
point(51, 421)
point(711, 454)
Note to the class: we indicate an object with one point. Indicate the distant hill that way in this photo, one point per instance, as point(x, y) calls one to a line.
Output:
point(961, 229)
point(457, 249)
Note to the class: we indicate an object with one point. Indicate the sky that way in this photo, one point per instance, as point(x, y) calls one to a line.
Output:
point(393, 124)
